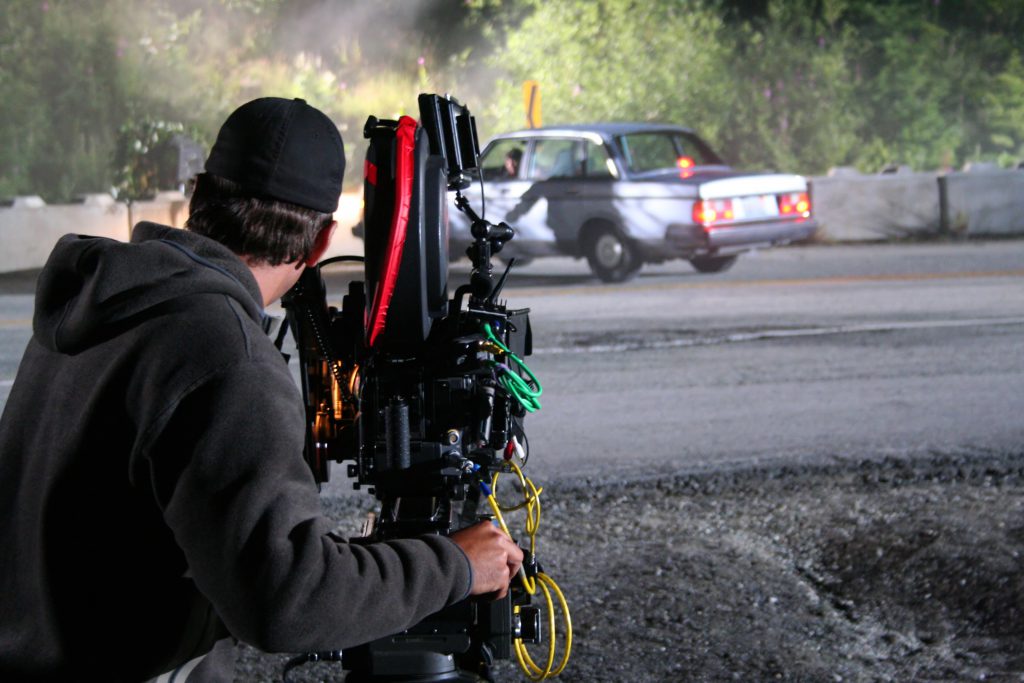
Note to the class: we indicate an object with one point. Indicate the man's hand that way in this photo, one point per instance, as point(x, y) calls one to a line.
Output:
point(492, 554)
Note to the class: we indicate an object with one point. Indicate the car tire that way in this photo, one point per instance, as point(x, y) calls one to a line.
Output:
point(612, 257)
point(712, 264)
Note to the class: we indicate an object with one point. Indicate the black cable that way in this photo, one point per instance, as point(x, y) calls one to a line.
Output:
point(483, 197)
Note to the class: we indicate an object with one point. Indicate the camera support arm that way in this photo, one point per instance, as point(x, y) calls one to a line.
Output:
point(488, 240)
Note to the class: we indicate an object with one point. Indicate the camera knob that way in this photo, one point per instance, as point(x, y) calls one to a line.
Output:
point(480, 229)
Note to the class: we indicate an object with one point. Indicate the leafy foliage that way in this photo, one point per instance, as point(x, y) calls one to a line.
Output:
point(1004, 107)
point(790, 102)
point(801, 85)
point(601, 60)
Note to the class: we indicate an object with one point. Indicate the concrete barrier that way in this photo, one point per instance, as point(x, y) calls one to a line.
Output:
point(983, 202)
point(29, 227)
point(850, 206)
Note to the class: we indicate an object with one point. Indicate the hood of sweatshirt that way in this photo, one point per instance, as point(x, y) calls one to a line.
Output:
point(90, 284)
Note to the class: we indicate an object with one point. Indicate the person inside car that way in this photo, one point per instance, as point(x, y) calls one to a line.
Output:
point(155, 506)
point(512, 159)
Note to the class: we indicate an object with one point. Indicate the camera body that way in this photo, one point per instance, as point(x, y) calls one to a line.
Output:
point(408, 386)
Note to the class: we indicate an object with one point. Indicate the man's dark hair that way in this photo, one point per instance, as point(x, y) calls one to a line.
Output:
point(265, 230)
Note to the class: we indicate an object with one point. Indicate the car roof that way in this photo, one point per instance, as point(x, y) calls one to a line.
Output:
point(605, 130)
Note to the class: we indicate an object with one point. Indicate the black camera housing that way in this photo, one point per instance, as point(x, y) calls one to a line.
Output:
point(401, 382)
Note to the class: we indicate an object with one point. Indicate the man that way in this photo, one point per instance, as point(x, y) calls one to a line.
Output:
point(154, 503)
point(512, 159)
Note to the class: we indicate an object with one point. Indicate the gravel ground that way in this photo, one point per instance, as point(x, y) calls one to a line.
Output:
point(895, 570)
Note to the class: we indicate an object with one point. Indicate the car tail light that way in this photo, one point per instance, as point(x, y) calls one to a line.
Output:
point(709, 211)
point(685, 165)
point(795, 204)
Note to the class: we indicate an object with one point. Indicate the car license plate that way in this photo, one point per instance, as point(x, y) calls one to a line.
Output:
point(753, 208)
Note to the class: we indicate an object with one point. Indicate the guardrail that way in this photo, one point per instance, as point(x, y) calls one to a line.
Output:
point(980, 201)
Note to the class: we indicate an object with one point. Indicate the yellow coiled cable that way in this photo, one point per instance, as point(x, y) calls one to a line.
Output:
point(531, 502)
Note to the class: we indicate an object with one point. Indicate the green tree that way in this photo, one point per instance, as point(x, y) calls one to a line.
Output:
point(765, 94)
point(79, 71)
point(59, 65)
point(793, 84)
point(612, 60)
point(74, 72)
point(1004, 111)
point(790, 102)
point(915, 80)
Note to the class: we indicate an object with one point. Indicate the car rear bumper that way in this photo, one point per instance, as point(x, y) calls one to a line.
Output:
point(689, 240)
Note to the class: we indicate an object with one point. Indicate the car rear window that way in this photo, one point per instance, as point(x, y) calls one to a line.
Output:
point(653, 151)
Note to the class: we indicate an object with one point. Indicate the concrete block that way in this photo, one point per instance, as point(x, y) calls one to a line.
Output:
point(31, 202)
point(850, 206)
point(984, 202)
point(29, 227)
point(96, 199)
point(981, 167)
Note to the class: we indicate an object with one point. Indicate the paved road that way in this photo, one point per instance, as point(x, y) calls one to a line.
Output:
point(795, 354)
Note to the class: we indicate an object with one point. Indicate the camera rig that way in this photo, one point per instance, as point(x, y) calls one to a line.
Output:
point(426, 396)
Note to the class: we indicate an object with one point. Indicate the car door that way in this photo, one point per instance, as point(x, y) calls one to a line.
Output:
point(549, 209)
point(502, 167)
point(601, 177)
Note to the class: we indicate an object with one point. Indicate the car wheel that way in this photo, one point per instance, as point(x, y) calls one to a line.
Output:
point(712, 264)
point(612, 257)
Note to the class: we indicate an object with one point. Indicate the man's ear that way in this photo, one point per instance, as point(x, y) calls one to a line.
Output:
point(320, 244)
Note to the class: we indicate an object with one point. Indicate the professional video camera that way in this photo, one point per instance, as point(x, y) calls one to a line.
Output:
point(427, 396)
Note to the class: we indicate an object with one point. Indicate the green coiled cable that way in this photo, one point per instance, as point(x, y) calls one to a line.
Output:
point(523, 391)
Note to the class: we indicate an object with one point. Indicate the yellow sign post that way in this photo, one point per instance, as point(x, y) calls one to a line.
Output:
point(531, 102)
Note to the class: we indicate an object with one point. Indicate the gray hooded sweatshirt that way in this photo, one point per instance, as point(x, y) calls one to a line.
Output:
point(153, 496)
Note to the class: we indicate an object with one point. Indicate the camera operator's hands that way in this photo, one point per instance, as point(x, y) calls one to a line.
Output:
point(492, 554)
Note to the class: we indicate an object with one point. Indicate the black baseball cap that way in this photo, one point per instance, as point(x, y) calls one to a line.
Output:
point(281, 149)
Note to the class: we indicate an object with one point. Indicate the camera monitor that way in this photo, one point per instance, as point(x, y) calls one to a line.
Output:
point(406, 236)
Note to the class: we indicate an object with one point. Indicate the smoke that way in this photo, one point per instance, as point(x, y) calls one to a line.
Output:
point(428, 39)
point(385, 31)
point(374, 46)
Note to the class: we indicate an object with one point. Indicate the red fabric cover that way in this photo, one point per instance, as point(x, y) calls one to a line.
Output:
point(405, 149)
